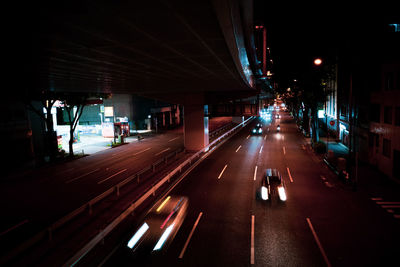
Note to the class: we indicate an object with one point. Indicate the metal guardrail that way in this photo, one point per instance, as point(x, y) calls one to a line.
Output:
point(100, 236)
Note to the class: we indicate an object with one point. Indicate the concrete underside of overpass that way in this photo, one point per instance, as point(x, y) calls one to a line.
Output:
point(168, 50)
point(185, 52)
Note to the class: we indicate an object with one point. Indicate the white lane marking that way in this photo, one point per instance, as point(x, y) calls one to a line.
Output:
point(321, 249)
point(137, 153)
point(173, 139)
point(388, 202)
point(284, 150)
point(255, 173)
point(376, 198)
point(109, 177)
point(328, 184)
point(283, 137)
point(252, 241)
point(238, 148)
point(290, 176)
point(14, 227)
point(397, 216)
point(248, 137)
point(219, 176)
point(162, 151)
point(391, 206)
point(265, 137)
point(80, 176)
point(261, 149)
point(322, 177)
point(390, 210)
point(190, 236)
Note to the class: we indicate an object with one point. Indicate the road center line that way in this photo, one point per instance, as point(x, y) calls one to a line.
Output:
point(238, 148)
point(109, 177)
point(265, 137)
point(248, 137)
point(173, 139)
point(190, 236)
point(80, 176)
point(284, 150)
point(318, 242)
point(261, 149)
point(219, 176)
point(252, 241)
point(290, 176)
point(162, 151)
point(255, 173)
point(137, 153)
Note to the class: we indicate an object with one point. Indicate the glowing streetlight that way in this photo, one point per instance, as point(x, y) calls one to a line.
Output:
point(317, 61)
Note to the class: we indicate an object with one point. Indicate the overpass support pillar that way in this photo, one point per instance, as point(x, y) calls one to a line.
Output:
point(195, 126)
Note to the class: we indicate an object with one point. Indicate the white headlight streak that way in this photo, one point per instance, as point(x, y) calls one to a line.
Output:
point(264, 193)
point(136, 237)
point(164, 237)
point(282, 193)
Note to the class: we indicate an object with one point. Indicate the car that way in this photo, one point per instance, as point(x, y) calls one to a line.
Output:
point(257, 129)
point(159, 226)
point(277, 116)
point(272, 185)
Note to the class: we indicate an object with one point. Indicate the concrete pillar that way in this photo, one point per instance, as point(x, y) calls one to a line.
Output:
point(195, 123)
point(238, 119)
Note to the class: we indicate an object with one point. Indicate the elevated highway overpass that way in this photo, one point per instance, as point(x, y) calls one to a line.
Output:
point(193, 53)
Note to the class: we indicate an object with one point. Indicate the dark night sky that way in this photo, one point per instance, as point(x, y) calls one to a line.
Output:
point(297, 33)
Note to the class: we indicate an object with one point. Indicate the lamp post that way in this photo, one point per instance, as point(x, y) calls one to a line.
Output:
point(318, 62)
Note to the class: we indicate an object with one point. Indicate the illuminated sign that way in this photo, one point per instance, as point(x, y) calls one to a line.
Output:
point(109, 111)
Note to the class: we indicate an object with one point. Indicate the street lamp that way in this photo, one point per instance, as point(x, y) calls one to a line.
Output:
point(317, 61)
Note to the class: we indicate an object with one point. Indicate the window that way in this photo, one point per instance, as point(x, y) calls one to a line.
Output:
point(386, 147)
point(387, 115)
point(388, 81)
point(375, 113)
point(397, 116)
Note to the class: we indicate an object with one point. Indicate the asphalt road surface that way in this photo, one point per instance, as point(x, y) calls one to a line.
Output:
point(322, 222)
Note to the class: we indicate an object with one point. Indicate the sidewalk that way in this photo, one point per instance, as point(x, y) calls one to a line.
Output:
point(369, 179)
point(90, 144)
